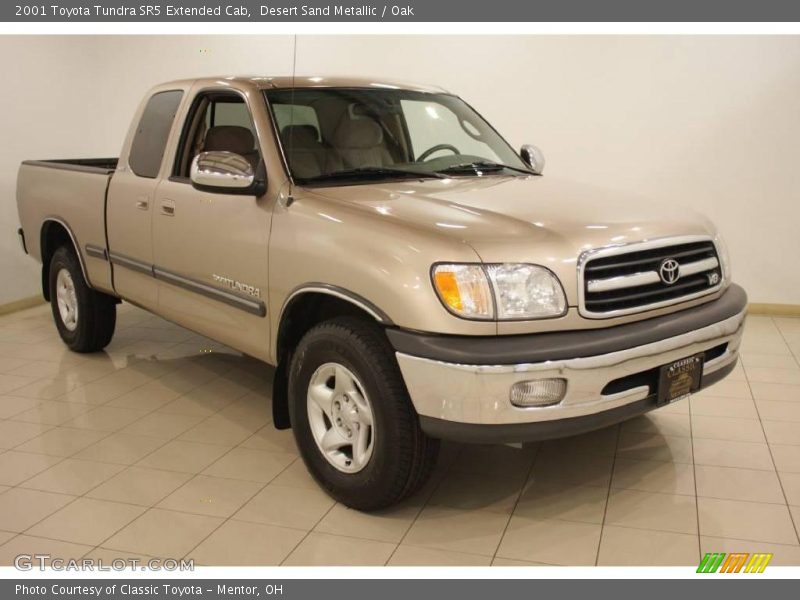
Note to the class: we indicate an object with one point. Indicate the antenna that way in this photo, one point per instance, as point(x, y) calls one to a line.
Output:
point(290, 199)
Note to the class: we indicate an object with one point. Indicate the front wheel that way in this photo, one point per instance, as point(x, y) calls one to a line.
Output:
point(353, 421)
point(84, 317)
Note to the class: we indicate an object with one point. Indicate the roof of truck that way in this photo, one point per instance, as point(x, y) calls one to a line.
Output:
point(311, 81)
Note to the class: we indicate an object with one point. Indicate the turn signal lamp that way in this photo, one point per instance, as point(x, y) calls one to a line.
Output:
point(464, 290)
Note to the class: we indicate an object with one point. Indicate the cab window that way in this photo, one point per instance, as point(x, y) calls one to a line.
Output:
point(218, 121)
point(429, 122)
point(296, 114)
point(150, 139)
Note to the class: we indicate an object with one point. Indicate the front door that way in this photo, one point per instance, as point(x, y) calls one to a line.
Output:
point(210, 249)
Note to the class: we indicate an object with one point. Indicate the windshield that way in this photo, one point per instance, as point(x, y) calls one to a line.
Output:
point(353, 135)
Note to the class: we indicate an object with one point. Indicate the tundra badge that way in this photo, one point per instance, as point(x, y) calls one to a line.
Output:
point(237, 286)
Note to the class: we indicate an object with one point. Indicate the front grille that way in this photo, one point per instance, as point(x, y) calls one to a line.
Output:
point(626, 279)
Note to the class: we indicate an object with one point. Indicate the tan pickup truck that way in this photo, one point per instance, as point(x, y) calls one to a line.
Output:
point(410, 276)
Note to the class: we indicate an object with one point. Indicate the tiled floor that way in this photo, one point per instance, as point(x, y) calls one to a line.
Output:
point(163, 447)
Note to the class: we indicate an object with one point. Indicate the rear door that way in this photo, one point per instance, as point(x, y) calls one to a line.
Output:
point(131, 199)
point(210, 249)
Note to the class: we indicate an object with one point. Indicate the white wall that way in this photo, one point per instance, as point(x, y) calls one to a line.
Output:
point(41, 116)
point(710, 122)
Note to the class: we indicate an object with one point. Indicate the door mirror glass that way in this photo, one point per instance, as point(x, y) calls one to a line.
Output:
point(533, 157)
point(220, 171)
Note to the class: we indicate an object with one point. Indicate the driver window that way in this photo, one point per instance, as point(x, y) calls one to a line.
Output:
point(232, 113)
point(431, 124)
point(217, 122)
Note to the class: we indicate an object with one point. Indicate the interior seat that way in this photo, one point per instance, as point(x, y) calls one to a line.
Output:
point(232, 138)
point(359, 142)
point(308, 156)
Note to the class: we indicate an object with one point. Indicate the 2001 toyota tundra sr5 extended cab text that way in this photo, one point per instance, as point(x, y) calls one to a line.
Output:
point(411, 277)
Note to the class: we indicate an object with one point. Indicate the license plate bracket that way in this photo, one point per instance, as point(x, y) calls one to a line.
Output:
point(680, 378)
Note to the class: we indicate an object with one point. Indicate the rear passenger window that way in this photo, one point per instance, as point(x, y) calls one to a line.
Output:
point(150, 139)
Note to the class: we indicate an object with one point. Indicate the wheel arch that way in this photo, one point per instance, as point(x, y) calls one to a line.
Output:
point(305, 307)
point(55, 232)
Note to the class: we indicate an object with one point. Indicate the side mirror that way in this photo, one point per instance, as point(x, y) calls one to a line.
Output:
point(224, 172)
point(533, 157)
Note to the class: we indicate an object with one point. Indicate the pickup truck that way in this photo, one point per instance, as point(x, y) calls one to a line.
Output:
point(409, 276)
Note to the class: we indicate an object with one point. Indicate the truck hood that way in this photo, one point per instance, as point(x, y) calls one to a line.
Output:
point(542, 220)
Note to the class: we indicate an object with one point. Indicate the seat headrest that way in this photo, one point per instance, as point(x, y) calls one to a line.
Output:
point(358, 134)
point(300, 135)
point(230, 138)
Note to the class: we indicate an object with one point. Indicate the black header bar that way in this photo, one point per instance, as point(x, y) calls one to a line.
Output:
point(459, 11)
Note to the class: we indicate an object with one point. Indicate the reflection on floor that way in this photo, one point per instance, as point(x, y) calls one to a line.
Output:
point(163, 447)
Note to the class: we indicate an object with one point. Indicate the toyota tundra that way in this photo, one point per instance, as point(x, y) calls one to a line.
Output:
point(409, 275)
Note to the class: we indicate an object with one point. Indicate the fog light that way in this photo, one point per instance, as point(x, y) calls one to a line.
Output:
point(540, 392)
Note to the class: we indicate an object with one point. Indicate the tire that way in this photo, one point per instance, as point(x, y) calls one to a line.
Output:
point(400, 456)
point(84, 317)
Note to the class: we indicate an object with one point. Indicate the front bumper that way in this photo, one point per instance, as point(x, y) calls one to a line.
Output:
point(611, 373)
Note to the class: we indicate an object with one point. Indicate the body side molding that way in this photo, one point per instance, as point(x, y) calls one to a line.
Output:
point(251, 305)
point(130, 263)
point(96, 252)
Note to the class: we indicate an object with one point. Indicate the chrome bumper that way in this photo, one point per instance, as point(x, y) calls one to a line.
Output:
point(479, 394)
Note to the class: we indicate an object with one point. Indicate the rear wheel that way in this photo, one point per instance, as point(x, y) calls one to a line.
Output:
point(352, 418)
point(84, 317)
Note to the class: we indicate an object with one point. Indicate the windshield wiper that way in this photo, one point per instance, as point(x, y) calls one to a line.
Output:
point(373, 172)
point(483, 165)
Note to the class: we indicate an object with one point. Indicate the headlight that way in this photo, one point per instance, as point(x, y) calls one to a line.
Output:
point(724, 259)
point(526, 292)
point(502, 291)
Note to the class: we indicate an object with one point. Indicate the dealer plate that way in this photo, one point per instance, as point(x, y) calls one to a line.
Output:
point(679, 379)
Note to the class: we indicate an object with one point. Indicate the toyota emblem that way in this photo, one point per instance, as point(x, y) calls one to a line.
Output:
point(669, 271)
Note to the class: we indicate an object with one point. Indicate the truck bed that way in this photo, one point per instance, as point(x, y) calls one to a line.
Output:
point(72, 194)
point(87, 165)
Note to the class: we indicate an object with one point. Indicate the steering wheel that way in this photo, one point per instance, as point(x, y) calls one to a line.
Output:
point(436, 148)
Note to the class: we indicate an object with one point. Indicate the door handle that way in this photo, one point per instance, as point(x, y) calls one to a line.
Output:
point(142, 204)
point(168, 208)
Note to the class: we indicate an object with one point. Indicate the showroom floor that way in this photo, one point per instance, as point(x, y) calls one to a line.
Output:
point(163, 447)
